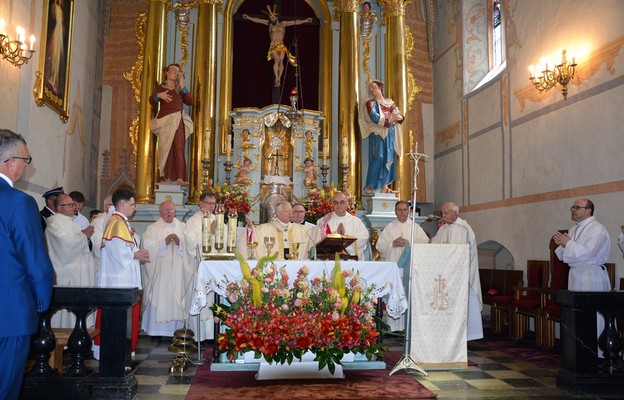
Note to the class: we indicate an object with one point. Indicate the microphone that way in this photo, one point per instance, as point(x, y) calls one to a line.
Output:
point(431, 217)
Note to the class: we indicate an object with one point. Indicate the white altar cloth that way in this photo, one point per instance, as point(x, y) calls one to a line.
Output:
point(212, 276)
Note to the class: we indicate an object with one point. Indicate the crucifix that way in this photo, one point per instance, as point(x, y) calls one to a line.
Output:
point(277, 155)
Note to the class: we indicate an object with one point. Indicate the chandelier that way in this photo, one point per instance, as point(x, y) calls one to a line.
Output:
point(15, 50)
point(561, 74)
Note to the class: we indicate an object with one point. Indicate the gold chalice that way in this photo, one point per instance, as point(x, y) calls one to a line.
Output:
point(251, 247)
point(294, 251)
point(269, 242)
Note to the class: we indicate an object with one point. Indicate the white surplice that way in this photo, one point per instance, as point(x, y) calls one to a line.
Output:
point(73, 262)
point(457, 233)
point(388, 252)
point(193, 256)
point(165, 280)
point(395, 230)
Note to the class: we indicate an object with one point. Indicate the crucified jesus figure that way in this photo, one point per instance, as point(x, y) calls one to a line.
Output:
point(277, 50)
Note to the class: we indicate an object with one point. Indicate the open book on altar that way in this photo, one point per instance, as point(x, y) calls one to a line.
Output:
point(333, 243)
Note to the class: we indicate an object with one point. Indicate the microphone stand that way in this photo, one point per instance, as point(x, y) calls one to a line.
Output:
point(406, 361)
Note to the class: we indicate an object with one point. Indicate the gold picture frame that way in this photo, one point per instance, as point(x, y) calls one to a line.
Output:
point(52, 79)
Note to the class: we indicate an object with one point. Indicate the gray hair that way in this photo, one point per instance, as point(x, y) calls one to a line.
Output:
point(9, 143)
point(278, 206)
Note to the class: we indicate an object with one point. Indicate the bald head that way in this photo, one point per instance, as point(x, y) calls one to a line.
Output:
point(340, 202)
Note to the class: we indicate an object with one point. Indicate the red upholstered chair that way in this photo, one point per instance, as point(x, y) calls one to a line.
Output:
point(527, 301)
point(550, 312)
point(498, 292)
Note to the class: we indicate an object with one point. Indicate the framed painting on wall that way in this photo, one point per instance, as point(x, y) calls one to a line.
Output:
point(52, 80)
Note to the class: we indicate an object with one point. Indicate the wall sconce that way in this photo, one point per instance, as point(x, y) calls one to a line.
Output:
point(15, 51)
point(549, 78)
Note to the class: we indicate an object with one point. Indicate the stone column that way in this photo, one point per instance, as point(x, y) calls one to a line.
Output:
point(204, 94)
point(153, 60)
point(348, 95)
point(396, 83)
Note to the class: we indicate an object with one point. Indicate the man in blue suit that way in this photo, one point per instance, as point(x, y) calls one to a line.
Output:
point(26, 271)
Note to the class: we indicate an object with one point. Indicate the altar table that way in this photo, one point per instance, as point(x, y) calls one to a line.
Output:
point(213, 276)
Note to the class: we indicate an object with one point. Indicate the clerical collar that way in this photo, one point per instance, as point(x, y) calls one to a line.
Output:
point(283, 225)
point(339, 217)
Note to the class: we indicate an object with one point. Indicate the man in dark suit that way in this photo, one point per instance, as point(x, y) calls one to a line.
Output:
point(49, 209)
point(26, 272)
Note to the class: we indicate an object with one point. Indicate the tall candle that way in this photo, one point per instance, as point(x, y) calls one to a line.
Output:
point(205, 144)
point(325, 150)
point(32, 42)
point(206, 234)
point(2, 26)
point(219, 230)
point(228, 148)
point(345, 152)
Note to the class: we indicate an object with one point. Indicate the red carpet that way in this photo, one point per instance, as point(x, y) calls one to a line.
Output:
point(361, 384)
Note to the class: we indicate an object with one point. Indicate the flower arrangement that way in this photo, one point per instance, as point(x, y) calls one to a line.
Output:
point(327, 315)
point(320, 204)
point(233, 196)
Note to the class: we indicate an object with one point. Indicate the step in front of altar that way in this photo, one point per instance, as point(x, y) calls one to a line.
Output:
point(359, 362)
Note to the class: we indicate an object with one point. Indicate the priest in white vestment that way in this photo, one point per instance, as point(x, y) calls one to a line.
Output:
point(283, 230)
point(69, 252)
point(393, 239)
point(165, 279)
point(396, 235)
point(457, 231)
point(193, 256)
point(341, 222)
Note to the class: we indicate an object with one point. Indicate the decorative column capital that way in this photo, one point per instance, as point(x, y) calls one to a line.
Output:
point(347, 6)
point(394, 8)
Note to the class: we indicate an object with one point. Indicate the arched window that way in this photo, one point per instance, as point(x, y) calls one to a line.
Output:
point(483, 42)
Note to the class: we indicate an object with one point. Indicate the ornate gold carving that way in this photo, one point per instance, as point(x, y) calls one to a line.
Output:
point(134, 75)
point(343, 6)
point(447, 134)
point(182, 11)
point(586, 69)
point(385, 205)
point(365, 58)
point(133, 132)
point(393, 8)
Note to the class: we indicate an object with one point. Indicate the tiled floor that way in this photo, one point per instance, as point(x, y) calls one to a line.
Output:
point(496, 376)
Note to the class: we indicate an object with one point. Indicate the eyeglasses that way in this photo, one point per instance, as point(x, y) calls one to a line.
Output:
point(342, 202)
point(210, 203)
point(299, 211)
point(67, 205)
point(573, 208)
point(27, 160)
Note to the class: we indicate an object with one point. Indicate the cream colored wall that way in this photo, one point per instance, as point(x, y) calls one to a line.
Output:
point(519, 168)
point(60, 157)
